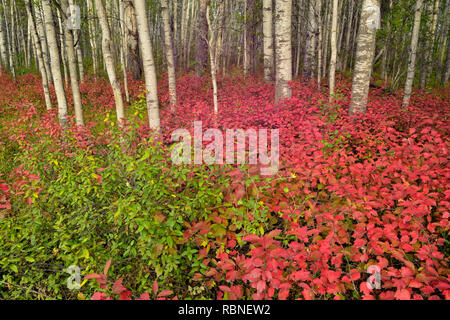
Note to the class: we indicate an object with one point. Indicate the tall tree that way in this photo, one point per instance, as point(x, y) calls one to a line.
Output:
point(55, 63)
point(72, 62)
point(169, 53)
point(268, 39)
point(40, 59)
point(365, 52)
point(413, 53)
point(333, 49)
point(134, 60)
point(202, 38)
point(309, 63)
point(283, 47)
point(429, 45)
point(151, 84)
point(109, 60)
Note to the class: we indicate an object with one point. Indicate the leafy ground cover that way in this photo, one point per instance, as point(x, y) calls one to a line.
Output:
point(350, 194)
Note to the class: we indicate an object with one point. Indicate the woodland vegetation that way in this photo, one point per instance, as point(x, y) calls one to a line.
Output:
point(91, 92)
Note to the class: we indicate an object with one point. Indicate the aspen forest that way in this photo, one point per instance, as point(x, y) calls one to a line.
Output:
point(224, 149)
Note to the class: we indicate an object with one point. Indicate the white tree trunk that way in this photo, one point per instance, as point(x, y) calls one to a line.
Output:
point(149, 65)
point(319, 42)
point(169, 54)
point(109, 61)
point(332, 77)
point(72, 61)
point(3, 45)
point(123, 49)
point(93, 36)
point(283, 47)
point(212, 48)
point(268, 39)
point(43, 39)
point(309, 63)
point(365, 53)
point(413, 53)
point(429, 46)
point(40, 59)
point(55, 63)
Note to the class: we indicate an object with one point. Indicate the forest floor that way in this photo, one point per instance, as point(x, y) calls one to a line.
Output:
point(353, 198)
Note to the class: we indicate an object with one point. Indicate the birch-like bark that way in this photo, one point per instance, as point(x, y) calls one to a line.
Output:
point(299, 37)
point(43, 39)
point(327, 39)
point(151, 84)
point(169, 54)
point(309, 62)
point(212, 55)
point(332, 77)
point(365, 53)
point(93, 36)
point(268, 39)
point(319, 42)
point(40, 59)
point(72, 62)
point(413, 53)
point(429, 46)
point(202, 36)
point(134, 61)
point(9, 40)
point(283, 47)
point(123, 49)
point(348, 34)
point(3, 44)
point(55, 63)
point(109, 61)
point(446, 73)
point(77, 42)
point(63, 48)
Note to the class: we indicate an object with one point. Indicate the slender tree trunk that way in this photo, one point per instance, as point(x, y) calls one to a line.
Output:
point(283, 45)
point(72, 61)
point(319, 42)
point(309, 62)
point(332, 78)
point(43, 39)
point(413, 53)
point(134, 61)
point(202, 39)
point(327, 39)
point(212, 48)
point(3, 45)
point(169, 54)
point(268, 39)
point(93, 36)
point(446, 73)
point(55, 63)
point(348, 34)
point(37, 44)
point(9, 37)
point(123, 49)
point(149, 66)
point(429, 47)
point(63, 49)
point(365, 53)
point(109, 61)
point(299, 36)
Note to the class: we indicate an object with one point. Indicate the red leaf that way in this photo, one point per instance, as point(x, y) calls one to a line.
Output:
point(106, 268)
point(118, 288)
point(144, 296)
point(155, 287)
point(403, 294)
point(165, 293)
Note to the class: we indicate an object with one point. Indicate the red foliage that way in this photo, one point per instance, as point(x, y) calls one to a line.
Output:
point(365, 191)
